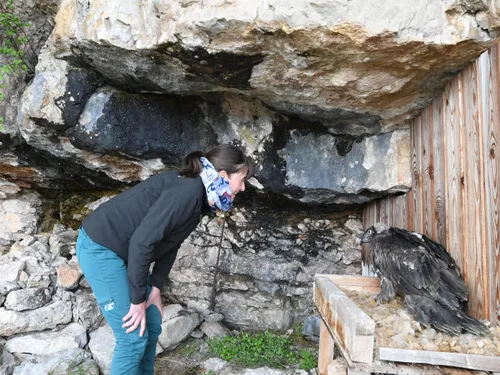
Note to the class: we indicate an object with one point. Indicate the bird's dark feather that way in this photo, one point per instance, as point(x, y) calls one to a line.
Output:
point(424, 272)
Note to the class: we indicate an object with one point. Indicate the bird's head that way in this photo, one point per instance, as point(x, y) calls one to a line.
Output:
point(371, 232)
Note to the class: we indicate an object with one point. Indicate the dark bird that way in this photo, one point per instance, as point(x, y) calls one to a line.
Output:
point(425, 274)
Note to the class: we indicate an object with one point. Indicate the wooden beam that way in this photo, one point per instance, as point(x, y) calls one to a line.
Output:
point(351, 328)
point(355, 283)
point(326, 347)
point(467, 361)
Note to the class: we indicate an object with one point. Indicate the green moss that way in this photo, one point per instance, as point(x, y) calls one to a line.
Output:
point(68, 208)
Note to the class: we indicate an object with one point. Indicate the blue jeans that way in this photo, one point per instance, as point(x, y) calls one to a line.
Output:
point(106, 274)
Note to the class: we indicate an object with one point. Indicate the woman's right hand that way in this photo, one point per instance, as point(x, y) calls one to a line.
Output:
point(136, 315)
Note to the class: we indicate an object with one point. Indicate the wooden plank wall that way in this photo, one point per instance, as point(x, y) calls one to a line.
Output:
point(456, 179)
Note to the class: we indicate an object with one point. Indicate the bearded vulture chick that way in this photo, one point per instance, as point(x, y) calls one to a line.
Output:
point(425, 274)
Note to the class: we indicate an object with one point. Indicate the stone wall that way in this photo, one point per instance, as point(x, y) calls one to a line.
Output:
point(265, 281)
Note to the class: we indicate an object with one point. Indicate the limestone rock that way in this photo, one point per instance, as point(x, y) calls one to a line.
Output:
point(213, 364)
point(340, 63)
point(20, 214)
point(175, 330)
point(27, 299)
point(86, 310)
point(63, 242)
point(10, 273)
point(102, 344)
point(68, 276)
point(47, 317)
point(8, 363)
point(61, 363)
point(214, 330)
point(45, 343)
point(8, 189)
point(171, 311)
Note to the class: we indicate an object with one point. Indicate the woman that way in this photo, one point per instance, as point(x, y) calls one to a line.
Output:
point(147, 223)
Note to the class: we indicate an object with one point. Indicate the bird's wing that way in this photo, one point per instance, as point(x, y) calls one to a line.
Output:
point(450, 281)
point(418, 266)
point(405, 262)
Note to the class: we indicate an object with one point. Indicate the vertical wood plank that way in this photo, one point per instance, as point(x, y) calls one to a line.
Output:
point(388, 211)
point(454, 173)
point(383, 210)
point(474, 217)
point(491, 134)
point(438, 171)
point(427, 173)
point(405, 211)
point(370, 218)
point(397, 212)
point(409, 206)
point(416, 136)
point(326, 344)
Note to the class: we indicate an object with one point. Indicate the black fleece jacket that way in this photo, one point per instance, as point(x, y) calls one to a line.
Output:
point(148, 223)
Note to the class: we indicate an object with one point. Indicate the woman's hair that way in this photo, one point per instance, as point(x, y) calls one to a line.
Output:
point(223, 157)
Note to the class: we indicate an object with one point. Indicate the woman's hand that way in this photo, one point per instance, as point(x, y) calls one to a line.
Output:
point(136, 315)
point(154, 298)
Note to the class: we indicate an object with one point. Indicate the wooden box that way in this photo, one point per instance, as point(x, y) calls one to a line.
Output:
point(354, 332)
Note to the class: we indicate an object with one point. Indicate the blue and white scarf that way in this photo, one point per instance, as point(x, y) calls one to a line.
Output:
point(216, 187)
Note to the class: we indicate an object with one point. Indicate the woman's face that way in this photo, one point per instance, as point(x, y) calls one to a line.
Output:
point(236, 181)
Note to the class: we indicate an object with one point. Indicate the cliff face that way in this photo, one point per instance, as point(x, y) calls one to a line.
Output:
point(312, 90)
point(317, 92)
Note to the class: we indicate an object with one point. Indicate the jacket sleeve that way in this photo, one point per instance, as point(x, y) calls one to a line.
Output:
point(162, 269)
point(173, 207)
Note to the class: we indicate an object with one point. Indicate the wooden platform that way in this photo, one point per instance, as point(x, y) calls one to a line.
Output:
point(345, 325)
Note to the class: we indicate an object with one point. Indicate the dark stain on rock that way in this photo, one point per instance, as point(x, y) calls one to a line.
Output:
point(222, 68)
point(47, 124)
point(343, 144)
point(334, 121)
point(147, 126)
point(273, 166)
point(81, 84)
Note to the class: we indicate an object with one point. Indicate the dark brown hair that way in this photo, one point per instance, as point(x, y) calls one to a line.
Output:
point(223, 157)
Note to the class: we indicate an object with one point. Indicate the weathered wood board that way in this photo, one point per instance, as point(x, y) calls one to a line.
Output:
point(351, 328)
point(468, 361)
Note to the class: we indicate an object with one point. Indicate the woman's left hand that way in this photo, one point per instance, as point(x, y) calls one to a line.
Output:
point(154, 298)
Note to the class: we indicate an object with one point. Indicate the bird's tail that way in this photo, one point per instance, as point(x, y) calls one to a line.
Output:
point(428, 311)
point(473, 326)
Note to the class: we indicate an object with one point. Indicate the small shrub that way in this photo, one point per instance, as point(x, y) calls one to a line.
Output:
point(13, 42)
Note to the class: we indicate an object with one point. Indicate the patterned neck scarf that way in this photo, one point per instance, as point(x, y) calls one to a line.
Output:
point(217, 188)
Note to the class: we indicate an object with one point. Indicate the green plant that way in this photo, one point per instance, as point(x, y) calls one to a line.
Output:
point(209, 372)
point(309, 360)
point(13, 43)
point(255, 349)
point(77, 366)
